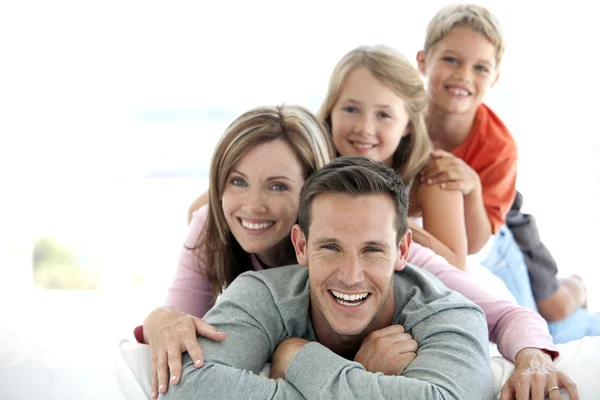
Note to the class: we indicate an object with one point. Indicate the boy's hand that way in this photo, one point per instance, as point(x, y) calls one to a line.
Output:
point(388, 350)
point(451, 172)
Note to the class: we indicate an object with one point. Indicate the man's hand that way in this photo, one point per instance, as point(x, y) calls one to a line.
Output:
point(283, 356)
point(534, 375)
point(388, 350)
point(450, 172)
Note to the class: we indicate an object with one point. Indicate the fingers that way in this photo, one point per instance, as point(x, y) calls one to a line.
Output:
point(194, 350)
point(154, 378)
point(438, 153)
point(523, 387)
point(208, 331)
point(174, 360)
point(569, 385)
point(555, 395)
point(163, 374)
point(538, 386)
point(508, 392)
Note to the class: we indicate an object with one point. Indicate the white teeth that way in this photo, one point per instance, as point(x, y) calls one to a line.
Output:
point(363, 145)
point(458, 91)
point(349, 297)
point(256, 227)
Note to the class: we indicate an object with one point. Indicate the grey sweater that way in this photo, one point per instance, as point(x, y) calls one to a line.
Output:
point(260, 309)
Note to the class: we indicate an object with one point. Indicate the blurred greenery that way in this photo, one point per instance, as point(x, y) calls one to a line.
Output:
point(56, 265)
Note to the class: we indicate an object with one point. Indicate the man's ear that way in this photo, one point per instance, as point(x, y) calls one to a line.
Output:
point(299, 242)
point(421, 62)
point(403, 247)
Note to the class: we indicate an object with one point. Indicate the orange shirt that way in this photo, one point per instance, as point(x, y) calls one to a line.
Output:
point(491, 151)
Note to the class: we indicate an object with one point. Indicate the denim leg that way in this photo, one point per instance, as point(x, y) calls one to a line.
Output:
point(577, 325)
point(506, 261)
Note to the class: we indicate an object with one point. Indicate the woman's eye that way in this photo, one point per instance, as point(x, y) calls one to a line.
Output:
point(384, 115)
point(279, 187)
point(238, 182)
point(350, 109)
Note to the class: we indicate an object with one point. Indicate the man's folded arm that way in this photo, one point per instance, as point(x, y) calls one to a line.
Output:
point(248, 316)
point(452, 363)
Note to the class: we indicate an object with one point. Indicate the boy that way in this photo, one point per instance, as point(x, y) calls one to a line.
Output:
point(475, 153)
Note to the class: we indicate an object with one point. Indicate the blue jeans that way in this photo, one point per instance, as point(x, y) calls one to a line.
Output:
point(577, 325)
point(506, 262)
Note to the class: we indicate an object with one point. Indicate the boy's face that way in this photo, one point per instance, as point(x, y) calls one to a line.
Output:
point(460, 69)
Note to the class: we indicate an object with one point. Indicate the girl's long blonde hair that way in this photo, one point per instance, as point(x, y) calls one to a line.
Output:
point(396, 72)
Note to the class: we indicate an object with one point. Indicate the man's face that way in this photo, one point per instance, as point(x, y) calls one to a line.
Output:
point(351, 252)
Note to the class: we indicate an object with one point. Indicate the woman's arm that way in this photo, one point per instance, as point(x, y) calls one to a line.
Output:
point(443, 223)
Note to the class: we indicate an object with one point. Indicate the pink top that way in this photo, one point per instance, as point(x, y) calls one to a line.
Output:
point(510, 326)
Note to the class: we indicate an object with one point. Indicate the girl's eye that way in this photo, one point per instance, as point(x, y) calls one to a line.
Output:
point(350, 109)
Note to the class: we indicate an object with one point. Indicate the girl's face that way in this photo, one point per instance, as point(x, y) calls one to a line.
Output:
point(261, 196)
point(368, 118)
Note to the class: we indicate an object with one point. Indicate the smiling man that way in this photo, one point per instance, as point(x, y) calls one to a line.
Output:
point(326, 329)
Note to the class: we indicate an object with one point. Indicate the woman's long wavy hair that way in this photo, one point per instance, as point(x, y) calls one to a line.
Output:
point(222, 255)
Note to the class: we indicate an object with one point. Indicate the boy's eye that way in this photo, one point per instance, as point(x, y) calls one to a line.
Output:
point(450, 60)
point(350, 109)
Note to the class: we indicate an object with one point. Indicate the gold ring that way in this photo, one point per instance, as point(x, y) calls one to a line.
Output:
point(553, 388)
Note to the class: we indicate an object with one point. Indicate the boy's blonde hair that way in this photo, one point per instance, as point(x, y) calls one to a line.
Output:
point(395, 71)
point(472, 16)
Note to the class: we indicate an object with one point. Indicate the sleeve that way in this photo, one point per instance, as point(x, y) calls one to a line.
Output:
point(498, 187)
point(190, 291)
point(451, 363)
point(251, 320)
point(510, 326)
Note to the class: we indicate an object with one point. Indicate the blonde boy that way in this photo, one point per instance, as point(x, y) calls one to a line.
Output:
point(474, 152)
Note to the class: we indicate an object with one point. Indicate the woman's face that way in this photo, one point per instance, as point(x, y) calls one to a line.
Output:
point(261, 196)
point(368, 118)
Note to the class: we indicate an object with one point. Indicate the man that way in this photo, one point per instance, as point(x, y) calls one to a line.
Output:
point(324, 328)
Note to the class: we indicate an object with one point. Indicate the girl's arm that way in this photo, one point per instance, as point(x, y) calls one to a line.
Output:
point(443, 223)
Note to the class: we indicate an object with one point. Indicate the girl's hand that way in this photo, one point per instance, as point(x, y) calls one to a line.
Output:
point(170, 333)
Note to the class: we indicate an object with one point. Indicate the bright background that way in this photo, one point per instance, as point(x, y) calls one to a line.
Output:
point(109, 112)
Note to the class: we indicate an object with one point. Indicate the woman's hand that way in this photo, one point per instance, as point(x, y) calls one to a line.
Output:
point(170, 333)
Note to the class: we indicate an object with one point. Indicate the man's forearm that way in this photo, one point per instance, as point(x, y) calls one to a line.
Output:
point(477, 222)
point(215, 381)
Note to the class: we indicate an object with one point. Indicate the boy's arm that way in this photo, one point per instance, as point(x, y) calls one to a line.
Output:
point(248, 315)
point(477, 221)
point(451, 363)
